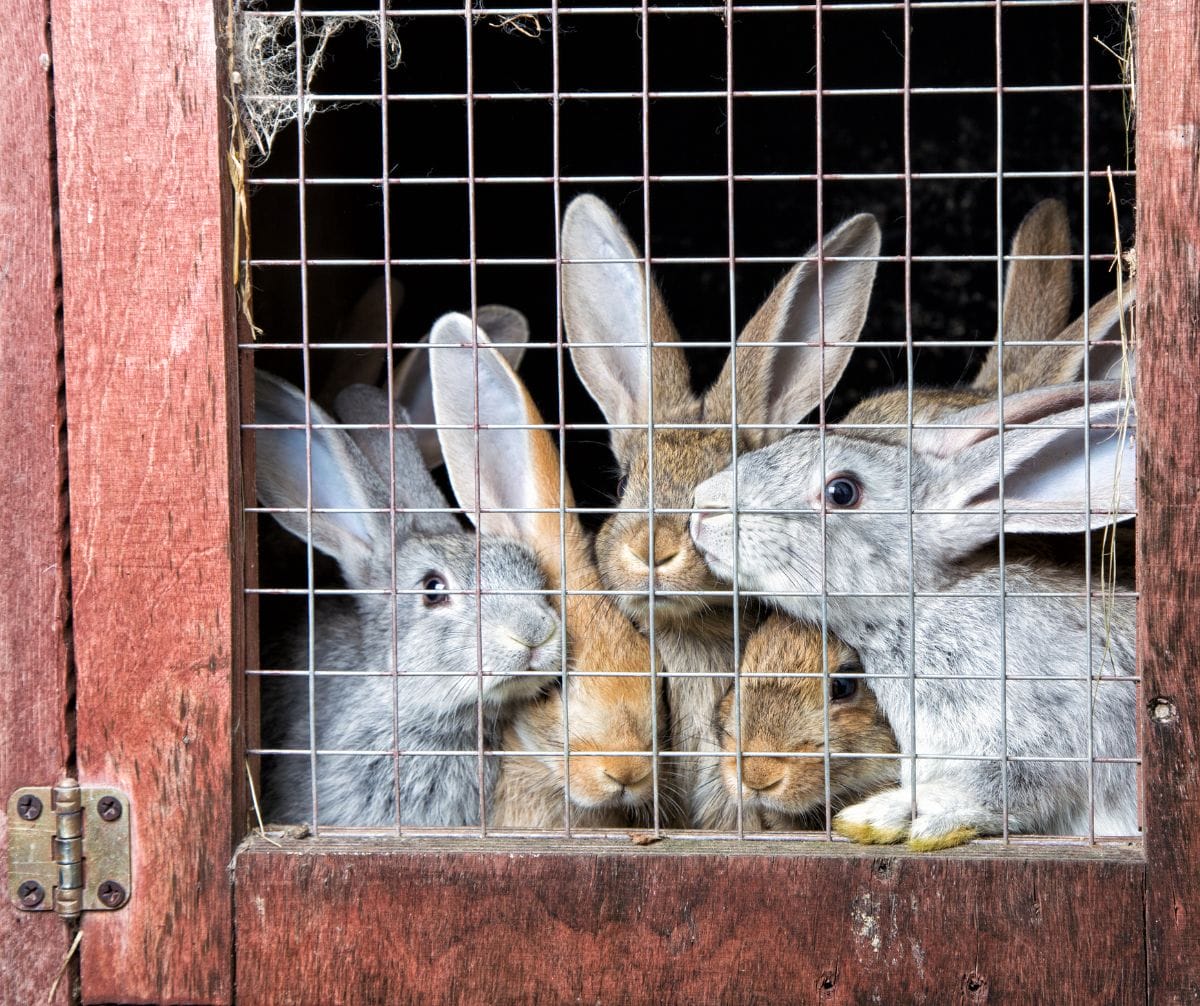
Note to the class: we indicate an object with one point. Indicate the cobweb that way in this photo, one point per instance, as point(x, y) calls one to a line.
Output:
point(265, 51)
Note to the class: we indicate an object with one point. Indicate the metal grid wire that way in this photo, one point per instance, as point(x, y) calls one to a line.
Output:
point(354, 192)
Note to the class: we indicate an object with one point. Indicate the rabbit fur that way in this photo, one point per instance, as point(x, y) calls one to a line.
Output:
point(605, 302)
point(430, 703)
point(620, 709)
point(782, 703)
point(948, 637)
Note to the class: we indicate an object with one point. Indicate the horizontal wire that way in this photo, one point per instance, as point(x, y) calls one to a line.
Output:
point(666, 592)
point(712, 675)
point(668, 754)
point(885, 176)
point(636, 9)
point(367, 97)
point(1103, 257)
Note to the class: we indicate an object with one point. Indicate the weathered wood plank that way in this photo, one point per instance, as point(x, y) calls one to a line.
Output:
point(1168, 326)
point(153, 445)
point(34, 688)
point(333, 923)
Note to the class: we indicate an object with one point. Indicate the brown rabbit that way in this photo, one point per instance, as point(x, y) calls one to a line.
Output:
point(612, 704)
point(788, 358)
point(1037, 304)
point(783, 713)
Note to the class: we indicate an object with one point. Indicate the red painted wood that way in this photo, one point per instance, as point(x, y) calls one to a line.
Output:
point(153, 444)
point(1168, 326)
point(681, 923)
point(34, 688)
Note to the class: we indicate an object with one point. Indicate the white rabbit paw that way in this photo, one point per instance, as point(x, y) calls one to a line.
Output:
point(944, 819)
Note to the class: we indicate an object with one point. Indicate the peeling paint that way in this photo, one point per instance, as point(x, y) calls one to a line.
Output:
point(864, 916)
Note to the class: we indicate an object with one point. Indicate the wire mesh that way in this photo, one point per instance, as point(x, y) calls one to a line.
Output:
point(576, 628)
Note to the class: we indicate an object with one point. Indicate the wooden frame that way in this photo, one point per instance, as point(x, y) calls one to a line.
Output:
point(153, 432)
point(35, 694)
point(148, 326)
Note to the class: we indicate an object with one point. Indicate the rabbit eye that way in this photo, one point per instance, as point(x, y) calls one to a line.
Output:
point(622, 482)
point(843, 492)
point(435, 590)
point(841, 689)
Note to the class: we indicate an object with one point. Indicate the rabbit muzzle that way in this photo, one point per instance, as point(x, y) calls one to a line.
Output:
point(712, 524)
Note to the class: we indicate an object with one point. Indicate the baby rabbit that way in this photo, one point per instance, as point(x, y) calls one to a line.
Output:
point(971, 638)
point(608, 318)
point(610, 718)
point(423, 694)
point(782, 698)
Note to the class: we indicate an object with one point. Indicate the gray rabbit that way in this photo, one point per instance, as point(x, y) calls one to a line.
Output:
point(832, 513)
point(434, 619)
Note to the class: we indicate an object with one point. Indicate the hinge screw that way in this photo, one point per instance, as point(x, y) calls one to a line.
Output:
point(109, 808)
point(111, 894)
point(31, 894)
point(29, 807)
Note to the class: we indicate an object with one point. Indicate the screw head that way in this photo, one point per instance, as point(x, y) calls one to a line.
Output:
point(1163, 710)
point(111, 894)
point(109, 808)
point(31, 894)
point(29, 807)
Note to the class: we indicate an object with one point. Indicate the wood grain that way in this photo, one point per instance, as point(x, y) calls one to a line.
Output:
point(336, 923)
point(1168, 326)
point(153, 446)
point(34, 687)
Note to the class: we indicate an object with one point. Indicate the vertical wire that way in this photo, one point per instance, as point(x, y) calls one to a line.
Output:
point(733, 425)
point(562, 417)
point(909, 361)
point(1003, 655)
point(301, 191)
point(472, 265)
point(389, 355)
point(827, 781)
point(649, 335)
point(1087, 419)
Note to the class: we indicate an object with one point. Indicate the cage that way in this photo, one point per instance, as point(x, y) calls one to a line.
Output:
point(731, 141)
point(645, 277)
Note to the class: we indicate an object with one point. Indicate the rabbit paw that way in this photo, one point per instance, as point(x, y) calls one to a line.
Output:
point(945, 818)
point(882, 819)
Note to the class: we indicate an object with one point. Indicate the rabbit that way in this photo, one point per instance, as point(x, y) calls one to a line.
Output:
point(1037, 298)
point(431, 701)
point(1036, 306)
point(837, 521)
point(782, 699)
point(616, 712)
point(606, 316)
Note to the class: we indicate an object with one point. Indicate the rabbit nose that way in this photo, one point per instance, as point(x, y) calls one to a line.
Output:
point(666, 547)
point(762, 774)
point(627, 771)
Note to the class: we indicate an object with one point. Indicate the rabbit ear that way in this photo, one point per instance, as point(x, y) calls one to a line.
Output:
point(341, 477)
point(1037, 299)
point(784, 383)
point(367, 322)
point(411, 384)
point(1108, 354)
point(605, 309)
point(518, 469)
point(415, 487)
point(1051, 482)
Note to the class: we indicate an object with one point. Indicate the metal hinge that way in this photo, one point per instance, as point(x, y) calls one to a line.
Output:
point(68, 849)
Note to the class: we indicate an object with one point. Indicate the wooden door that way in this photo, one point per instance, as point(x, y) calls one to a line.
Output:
point(138, 686)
